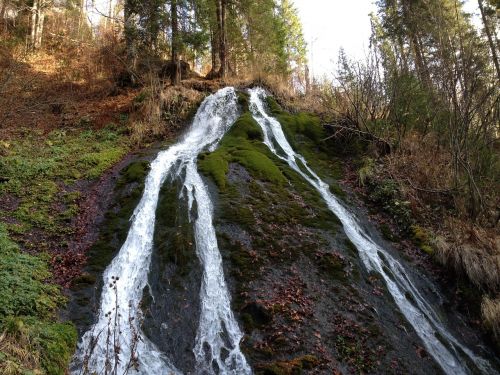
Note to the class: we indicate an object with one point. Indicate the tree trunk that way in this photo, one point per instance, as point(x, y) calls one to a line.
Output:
point(490, 38)
point(415, 44)
point(176, 64)
point(130, 39)
point(221, 23)
point(214, 52)
point(34, 17)
point(39, 28)
point(80, 19)
point(307, 79)
point(3, 10)
point(110, 14)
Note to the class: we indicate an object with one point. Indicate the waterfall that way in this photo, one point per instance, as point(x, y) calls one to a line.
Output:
point(115, 344)
point(453, 357)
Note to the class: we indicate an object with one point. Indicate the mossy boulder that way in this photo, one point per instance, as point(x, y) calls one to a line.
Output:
point(242, 144)
point(421, 237)
point(134, 172)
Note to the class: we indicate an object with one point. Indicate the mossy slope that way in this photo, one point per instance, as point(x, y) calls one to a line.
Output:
point(41, 177)
point(242, 144)
point(32, 340)
point(295, 277)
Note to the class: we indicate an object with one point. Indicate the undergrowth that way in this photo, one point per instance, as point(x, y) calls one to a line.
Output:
point(39, 197)
point(31, 339)
point(38, 173)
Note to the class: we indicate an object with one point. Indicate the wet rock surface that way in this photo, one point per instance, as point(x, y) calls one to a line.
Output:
point(299, 290)
point(303, 298)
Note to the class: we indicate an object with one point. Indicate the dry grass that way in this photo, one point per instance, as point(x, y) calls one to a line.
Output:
point(161, 111)
point(19, 359)
point(465, 247)
point(45, 92)
point(430, 181)
point(472, 251)
point(490, 309)
point(293, 101)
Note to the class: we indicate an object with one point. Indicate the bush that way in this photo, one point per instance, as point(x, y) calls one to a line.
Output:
point(386, 194)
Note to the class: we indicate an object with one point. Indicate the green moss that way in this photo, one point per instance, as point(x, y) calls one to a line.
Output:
point(305, 124)
point(387, 232)
point(336, 190)
point(241, 144)
point(332, 265)
point(245, 128)
point(51, 343)
point(243, 100)
point(422, 239)
point(306, 135)
point(98, 162)
point(72, 197)
point(238, 214)
point(297, 124)
point(366, 171)
point(350, 246)
point(215, 165)
point(261, 165)
point(25, 292)
point(135, 172)
point(387, 195)
point(174, 236)
point(57, 342)
point(37, 168)
point(273, 105)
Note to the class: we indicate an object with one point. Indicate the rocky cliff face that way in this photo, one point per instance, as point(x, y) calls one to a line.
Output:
point(303, 298)
point(299, 289)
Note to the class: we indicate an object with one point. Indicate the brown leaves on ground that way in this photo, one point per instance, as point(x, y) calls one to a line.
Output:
point(67, 266)
point(353, 345)
point(290, 299)
point(38, 92)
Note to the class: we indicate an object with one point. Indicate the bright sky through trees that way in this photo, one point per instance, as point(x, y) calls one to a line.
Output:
point(328, 26)
point(332, 24)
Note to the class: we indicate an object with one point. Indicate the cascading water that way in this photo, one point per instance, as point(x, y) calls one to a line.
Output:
point(453, 357)
point(115, 344)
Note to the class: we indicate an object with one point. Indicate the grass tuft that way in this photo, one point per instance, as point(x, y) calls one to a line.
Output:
point(490, 310)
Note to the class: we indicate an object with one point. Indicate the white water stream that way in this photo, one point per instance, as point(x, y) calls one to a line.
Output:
point(453, 357)
point(115, 344)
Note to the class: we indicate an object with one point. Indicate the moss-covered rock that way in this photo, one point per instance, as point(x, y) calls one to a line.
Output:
point(421, 238)
point(242, 144)
point(387, 195)
point(135, 172)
